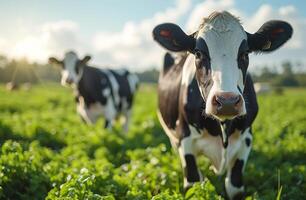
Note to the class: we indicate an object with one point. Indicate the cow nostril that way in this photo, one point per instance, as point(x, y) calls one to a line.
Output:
point(69, 81)
point(220, 101)
point(237, 100)
point(216, 101)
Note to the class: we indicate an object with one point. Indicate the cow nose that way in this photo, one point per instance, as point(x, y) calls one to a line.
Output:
point(227, 104)
point(69, 81)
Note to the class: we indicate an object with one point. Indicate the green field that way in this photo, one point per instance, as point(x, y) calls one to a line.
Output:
point(47, 152)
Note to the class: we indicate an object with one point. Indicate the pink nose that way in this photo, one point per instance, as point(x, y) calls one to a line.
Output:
point(226, 104)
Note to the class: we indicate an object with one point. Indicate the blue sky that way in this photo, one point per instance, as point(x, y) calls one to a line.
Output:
point(107, 14)
point(37, 22)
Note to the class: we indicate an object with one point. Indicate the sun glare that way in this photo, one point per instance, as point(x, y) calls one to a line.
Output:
point(30, 49)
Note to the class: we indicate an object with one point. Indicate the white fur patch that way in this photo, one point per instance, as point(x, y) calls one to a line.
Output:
point(96, 110)
point(170, 133)
point(189, 70)
point(91, 114)
point(230, 189)
point(212, 148)
point(69, 73)
point(114, 84)
point(106, 92)
point(223, 37)
point(109, 110)
point(133, 81)
point(242, 152)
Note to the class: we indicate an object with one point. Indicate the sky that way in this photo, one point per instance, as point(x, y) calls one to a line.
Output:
point(118, 33)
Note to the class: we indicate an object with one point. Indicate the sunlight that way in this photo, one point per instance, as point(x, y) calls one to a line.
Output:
point(30, 48)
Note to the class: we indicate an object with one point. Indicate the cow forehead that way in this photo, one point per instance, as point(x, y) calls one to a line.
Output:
point(223, 37)
point(70, 60)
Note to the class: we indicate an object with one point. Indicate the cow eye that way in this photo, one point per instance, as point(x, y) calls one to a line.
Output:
point(200, 55)
point(243, 56)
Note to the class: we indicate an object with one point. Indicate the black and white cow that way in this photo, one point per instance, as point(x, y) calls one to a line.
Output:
point(207, 101)
point(98, 92)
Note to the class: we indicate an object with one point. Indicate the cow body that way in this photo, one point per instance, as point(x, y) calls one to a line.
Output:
point(105, 93)
point(199, 134)
point(207, 101)
point(101, 92)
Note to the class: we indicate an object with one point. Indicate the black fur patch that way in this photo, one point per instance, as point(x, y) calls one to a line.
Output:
point(173, 38)
point(106, 123)
point(275, 31)
point(125, 91)
point(168, 62)
point(169, 86)
point(251, 104)
point(204, 61)
point(236, 175)
point(248, 141)
point(239, 196)
point(191, 170)
point(243, 58)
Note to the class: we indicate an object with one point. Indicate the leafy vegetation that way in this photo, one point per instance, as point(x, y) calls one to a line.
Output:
point(47, 153)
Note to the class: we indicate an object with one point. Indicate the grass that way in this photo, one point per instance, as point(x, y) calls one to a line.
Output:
point(48, 153)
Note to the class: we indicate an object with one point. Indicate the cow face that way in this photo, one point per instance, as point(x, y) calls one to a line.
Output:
point(71, 67)
point(220, 48)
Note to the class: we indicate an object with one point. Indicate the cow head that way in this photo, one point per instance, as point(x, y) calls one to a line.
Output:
point(71, 67)
point(220, 48)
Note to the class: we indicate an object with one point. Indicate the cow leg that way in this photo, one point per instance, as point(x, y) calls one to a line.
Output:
point(110, 114)
point(234, 177)
point(127, 116)
point(107, 124)
point(85, 115)
point(189, 163)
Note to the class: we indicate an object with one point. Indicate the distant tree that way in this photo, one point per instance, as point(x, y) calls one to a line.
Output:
point(301, 79)
point(287, 78)
point(148, 76)
point(266, 75)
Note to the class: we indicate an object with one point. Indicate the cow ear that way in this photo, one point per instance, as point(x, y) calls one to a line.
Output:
point(53, 60)
point(173, 38)
point(271, 35)
point(85, 59)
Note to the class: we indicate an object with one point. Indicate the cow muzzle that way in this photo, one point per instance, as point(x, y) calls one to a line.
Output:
point(67, 81)
point(226, 105)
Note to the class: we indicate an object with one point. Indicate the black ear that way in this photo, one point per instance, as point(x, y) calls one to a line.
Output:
point(271, 35)
point(53, 60)
point(85, 59)
point(173, 38)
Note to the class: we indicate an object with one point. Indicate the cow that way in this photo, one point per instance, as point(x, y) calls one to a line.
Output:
point(206, 98)
point(98, 92)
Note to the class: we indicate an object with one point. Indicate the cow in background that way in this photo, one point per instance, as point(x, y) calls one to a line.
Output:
point(98, 92)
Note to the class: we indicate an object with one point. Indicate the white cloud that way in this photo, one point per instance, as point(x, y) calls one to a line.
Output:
point(133, 45)
point(51, 38)
point(286, 13)
point(3, 45)
point(204, 9)
point(61, 35)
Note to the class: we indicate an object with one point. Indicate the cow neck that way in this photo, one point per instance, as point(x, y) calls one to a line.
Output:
point(76, 89)
point(80, 74)
point(224, 136)
point(225, 126)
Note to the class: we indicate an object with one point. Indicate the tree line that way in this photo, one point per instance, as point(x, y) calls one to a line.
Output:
point(22, 71)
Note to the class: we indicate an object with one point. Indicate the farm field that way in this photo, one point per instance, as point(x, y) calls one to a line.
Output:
point(48, 153)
